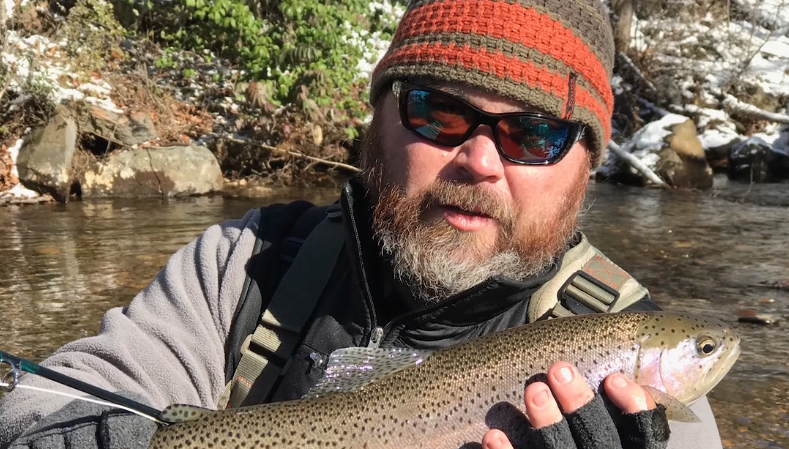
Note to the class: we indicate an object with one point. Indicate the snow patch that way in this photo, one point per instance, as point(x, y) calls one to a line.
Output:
point(18, 191)
point(14, 152)
point(717, 137)
point(651, 137)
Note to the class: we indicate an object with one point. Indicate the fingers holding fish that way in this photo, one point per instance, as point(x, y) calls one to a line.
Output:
point(541, 406)
point(568, 387)
point(627, 395)
point(566, 413)
point(496, 439)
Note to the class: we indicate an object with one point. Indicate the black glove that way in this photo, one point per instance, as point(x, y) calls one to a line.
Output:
point(81, 424)
point(595, 427)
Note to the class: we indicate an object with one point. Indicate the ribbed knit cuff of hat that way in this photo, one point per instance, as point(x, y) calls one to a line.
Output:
point(556, 56)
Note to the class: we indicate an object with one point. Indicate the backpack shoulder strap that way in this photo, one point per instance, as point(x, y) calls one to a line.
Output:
point(587, 282)
point(265, 354)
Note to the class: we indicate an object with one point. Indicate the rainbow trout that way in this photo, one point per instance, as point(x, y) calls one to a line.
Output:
point(399, 399)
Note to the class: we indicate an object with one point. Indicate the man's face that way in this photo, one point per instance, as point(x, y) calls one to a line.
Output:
point(449, 218)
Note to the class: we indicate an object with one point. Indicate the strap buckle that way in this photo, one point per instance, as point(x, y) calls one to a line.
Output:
point(583, 293)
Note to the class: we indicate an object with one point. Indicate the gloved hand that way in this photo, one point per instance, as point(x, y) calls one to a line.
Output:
point(81, 424)
point(566, 414)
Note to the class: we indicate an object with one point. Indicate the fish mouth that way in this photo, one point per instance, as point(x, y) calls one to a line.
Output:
point(713, 377)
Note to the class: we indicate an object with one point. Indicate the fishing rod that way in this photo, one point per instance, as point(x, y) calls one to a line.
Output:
point(10, 381)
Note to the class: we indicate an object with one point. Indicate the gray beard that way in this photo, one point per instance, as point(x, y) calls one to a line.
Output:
point(434, 274)
point(434, 260)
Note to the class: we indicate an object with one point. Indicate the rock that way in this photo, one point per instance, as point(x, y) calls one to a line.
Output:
point(249, 192)
point(748, 161)
point(119, 128)
point(685, 141)
point(779, 164)
point(753, 317)
point(146, 172)
point(247, 189)
point(683, 163)
point(763, 319)
point(671, 148)
point(718, 142)
point(45, 160)
point(317, 135)
point(755, 160)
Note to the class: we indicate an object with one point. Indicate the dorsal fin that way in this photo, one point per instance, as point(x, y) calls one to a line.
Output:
point(675, 410)
point(178, 413)
point(352, 368)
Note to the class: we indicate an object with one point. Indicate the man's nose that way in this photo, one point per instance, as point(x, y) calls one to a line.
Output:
point(477, 158)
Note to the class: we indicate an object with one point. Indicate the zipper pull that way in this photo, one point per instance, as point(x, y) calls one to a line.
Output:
point(375, 338)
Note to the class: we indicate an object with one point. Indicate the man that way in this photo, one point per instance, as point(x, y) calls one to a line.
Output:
point(488, 117)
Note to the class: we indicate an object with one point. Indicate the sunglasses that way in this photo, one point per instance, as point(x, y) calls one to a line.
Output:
point(521, 137)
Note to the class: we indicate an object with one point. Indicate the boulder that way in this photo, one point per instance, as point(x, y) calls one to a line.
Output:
point(718, 142)
point(44, 161)
point(683, 163)
point(147, 172)
point(757, 160)
point(671, 148)
point(119, 128)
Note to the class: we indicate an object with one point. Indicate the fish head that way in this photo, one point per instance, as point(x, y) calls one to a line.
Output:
point(685, 356)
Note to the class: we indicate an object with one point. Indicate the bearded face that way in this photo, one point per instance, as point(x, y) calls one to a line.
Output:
point(419, 190)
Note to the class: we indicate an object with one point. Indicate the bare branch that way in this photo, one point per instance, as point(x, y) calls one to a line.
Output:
point(347, 167)
point(637, 164)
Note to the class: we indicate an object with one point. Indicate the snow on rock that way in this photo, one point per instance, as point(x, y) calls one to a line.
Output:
point(651, 138)
point(14, 152)
point(18, 191)
point(718, 136)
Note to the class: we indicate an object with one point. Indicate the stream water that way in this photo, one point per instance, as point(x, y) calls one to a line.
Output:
point(713, 253)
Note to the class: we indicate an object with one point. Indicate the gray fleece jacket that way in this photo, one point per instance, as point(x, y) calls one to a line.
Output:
point(168, 347)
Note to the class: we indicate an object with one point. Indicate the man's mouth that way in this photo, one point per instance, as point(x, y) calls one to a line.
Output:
point(466, 210)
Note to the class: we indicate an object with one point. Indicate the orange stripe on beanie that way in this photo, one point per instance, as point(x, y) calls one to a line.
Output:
point(502, 66)
point(514, 23)
point(525, 49)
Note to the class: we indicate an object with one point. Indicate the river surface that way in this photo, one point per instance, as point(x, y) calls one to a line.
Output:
point(714, 253)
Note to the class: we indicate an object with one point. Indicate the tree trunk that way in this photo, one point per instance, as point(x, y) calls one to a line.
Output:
point(621, 20)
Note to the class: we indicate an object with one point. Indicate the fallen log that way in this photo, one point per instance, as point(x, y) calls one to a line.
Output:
point(736, 106)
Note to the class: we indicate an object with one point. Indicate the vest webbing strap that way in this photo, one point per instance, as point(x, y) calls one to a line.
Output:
point(266, 353)
point(589, 279)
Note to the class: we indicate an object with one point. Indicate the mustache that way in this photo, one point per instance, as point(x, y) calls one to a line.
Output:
point(467, 197)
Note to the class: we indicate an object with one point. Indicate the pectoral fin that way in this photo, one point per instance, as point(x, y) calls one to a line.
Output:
point(675, 410)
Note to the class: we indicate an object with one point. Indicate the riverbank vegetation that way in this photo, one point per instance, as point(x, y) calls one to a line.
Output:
point(263, 82)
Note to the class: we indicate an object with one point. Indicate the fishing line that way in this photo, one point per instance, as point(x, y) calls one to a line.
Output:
point(83, 398)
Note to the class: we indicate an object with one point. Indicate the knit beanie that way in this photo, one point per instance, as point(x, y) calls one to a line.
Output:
point(554, 55)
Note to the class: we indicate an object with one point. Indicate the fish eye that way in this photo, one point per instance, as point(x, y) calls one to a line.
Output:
point(706, 345)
